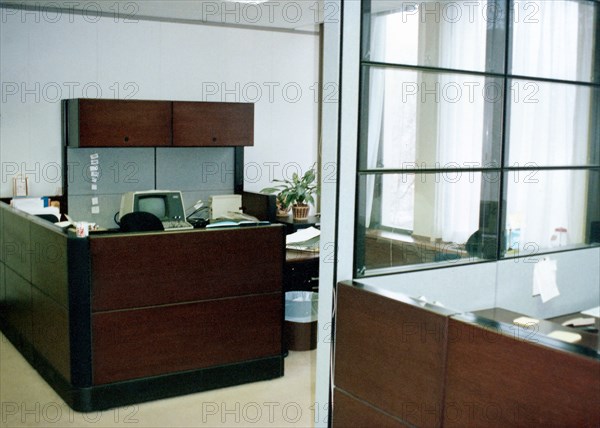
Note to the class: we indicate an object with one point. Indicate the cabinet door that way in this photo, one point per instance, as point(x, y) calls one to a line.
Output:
point(119, 123)
point(213, 124)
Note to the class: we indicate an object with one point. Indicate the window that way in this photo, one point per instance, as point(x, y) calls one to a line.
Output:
point(479, 132)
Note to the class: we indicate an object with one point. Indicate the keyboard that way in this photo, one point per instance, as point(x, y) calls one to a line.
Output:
point(177, 225)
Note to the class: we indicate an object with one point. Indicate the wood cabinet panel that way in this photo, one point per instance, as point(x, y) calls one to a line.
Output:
point(153, 341)
point(16, 309)
point(16, 244)
point(496, 380)
point(213, 124)
point(391, 355)
point(135, 270)
point(49, 270)
point(350, 412)
point(50, 331)
point(119, 123)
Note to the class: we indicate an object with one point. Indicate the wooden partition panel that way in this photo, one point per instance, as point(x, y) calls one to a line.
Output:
point(152, 269)
point(17, 305)
point(2, 285)
point(351, 412)
point(49, 262)
point(16, 244)
point(146, 342)
point(50, 332)
point(499, 380)
point(391, 355)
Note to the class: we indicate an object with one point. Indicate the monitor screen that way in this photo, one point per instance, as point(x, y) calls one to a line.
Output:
point(155, 204)
point(167, 205)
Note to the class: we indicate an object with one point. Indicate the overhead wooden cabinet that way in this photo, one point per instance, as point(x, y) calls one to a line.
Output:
point(213, 124)
point(118, 123)
point(136, 123)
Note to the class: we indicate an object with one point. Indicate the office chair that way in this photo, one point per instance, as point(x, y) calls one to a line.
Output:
point(140, 221)
point(49, 217)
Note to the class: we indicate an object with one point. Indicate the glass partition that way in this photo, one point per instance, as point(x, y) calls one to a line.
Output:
point(454, 35)
point(479, 123)
point(416, 218)
point(550, 210)
point(552, 124)
point(555, 39)
point(416, 118)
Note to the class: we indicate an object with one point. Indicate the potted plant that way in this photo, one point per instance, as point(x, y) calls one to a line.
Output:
point(297, 193)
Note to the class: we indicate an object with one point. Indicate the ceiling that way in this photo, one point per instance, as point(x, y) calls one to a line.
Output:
point(290, 15)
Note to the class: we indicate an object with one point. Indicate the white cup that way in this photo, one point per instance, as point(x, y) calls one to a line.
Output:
point(82, 229)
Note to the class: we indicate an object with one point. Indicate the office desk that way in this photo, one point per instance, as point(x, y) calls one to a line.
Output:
point(568, 317)
point(301, 271)
point(400, 362)
point(589, 341)
point(295, 225)
point(117, 319)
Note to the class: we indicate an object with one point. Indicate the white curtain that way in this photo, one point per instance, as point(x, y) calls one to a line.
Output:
point(549, 123)
point(376, 102)
point(460, 131)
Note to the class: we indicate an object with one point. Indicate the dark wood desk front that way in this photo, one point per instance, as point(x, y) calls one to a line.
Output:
point(399, 363)
point(116, 319)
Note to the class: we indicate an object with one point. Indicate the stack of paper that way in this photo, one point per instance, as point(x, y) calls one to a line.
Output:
point(35, 206)
point(594, 312)
point(304, 240)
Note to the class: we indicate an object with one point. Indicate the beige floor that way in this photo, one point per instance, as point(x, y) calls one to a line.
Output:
point(27, 401)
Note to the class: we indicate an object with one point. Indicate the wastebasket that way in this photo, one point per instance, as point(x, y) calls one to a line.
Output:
point(300, 326)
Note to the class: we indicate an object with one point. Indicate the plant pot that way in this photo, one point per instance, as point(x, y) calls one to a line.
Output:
point(282, 212)
point(300, 211)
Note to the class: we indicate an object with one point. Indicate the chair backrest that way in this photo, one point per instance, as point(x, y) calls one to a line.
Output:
point(49, 217)
point(140, 221)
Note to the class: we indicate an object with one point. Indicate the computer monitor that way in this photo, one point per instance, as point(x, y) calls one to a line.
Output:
point(167, 205)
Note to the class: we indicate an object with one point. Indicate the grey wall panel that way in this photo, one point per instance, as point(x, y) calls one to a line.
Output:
point(80, 209)
point(121, 170)
point(195, 169)
point(464, 288)
point(577, 278)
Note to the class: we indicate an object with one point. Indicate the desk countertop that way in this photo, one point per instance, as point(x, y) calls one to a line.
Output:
point(544, 327)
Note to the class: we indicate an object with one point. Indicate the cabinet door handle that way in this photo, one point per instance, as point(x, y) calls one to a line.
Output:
point(126, 139)
point(214, 139)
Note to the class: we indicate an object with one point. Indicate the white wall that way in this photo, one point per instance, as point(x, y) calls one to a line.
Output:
point(45, 58)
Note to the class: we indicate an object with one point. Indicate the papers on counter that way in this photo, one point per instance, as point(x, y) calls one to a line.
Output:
point(594, 312)
point(565, 336)
point(304, 240)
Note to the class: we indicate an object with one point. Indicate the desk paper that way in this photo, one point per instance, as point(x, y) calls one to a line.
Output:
point(594, 312)
point(302, 235)
point(544, 280)
point(526, 321)
point(565, 336)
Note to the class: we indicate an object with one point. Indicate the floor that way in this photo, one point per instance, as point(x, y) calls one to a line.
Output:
point(27, 401)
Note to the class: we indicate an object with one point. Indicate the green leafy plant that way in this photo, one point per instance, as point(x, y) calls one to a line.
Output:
point(300, 190)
